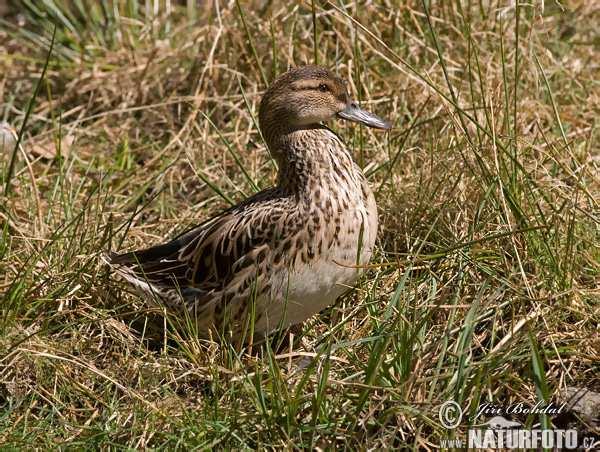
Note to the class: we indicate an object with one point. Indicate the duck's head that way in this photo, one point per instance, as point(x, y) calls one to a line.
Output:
point(307, 95)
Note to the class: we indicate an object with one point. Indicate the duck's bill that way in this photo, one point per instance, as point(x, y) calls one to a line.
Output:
point(356, 114)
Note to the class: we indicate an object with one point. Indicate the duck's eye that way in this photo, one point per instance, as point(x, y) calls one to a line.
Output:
point(323, 88)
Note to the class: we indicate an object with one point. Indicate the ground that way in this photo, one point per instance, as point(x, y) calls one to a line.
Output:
point(138, 122)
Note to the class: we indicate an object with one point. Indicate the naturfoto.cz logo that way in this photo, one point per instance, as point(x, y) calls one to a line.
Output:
point(501, 433)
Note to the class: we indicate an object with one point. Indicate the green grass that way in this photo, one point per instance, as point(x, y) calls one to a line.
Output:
point(484, 286)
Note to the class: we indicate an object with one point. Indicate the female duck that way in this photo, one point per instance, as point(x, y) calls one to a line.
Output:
point(289, 251)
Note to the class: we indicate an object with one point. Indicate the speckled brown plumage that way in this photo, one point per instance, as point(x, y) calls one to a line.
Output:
point(287, 252)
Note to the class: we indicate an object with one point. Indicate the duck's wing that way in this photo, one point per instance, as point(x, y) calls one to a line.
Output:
point(217, 257)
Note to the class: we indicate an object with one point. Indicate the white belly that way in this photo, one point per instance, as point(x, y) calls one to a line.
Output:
point(309, 288)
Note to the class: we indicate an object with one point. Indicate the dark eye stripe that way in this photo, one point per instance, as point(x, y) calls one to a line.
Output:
point(323, 87)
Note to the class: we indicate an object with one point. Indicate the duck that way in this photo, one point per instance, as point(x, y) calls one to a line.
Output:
point(287, 252)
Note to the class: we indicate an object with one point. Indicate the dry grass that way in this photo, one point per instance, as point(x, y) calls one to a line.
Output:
point(484, 287)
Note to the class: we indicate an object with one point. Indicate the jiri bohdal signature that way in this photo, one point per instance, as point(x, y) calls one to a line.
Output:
point(489, 409)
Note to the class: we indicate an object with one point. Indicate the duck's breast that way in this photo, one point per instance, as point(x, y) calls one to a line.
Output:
point(339, 248)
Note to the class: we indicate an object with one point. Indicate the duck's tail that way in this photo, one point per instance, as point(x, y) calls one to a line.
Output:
point(122, 265)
